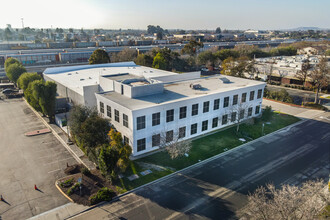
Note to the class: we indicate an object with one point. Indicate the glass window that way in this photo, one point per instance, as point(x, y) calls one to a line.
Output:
point(170, 115)
point(233, 116)
point(215, 122)
point(216, 104)
point(183, 112)
point(224, 119)
point(182, 132)
point(126, 140)
point(257, 109)
point(101, 107)
point(204, 125)
point(116, 115)
point(155, 140)
point(251, 95)
point(194, 109)
point(109, 111)
point(125, 120)
point(241, 114)
point(226, 102)
point(169, 136)
point(249, 111)
point(235, 99)
point(141, 144)
point(193, 129)
point(141, 122)
point(244, 97)
point(156, 119)
point(206, 106)
point(259, 93)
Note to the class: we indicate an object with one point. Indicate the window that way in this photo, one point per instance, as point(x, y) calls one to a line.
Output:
point(206, 106)
point(215, 122)
point(204, 125)
point(156, 119)
point(101, 107)
point(241, 114)
point(155, 140)
point(141, 122)
point(182, 132)
point(194, 110)
point(251, 95)
point(169, 115)
point(126, 140)
point(183, 112)
point(125, 120)
point(257, 109)
point(224, 119)
point(169, 136)
point(259, 93)
point(249, 111)
point(109, 111)
point(235, 99)
point(226, 102)
point(122, 89)
point(193, 129)
point(116, 115)
point(233, 116)
point(216, 104)
point(244, 97)
point(141, 144)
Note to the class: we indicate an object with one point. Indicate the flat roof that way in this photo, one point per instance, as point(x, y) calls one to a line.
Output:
point(76, 77)
point(181, 90)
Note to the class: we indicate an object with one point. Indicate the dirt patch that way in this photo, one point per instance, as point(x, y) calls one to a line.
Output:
point(90, 184)
point(154, 166)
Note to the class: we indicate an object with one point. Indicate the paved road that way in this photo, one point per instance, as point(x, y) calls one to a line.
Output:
point(26, 161)
point(218, 188)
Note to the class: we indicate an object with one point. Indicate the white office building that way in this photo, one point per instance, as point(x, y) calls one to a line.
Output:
point(148, 105)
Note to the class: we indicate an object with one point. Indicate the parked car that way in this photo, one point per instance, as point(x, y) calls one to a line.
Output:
point(8, 91)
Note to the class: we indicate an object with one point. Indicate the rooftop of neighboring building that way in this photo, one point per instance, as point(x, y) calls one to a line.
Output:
point(179, 90)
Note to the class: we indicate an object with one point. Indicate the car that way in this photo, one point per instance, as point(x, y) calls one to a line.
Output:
point(8, 91)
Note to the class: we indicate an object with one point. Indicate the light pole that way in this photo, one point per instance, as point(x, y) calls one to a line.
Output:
point(262, 129)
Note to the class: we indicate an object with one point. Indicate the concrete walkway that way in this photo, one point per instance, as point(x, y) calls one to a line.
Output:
point(61, 212)
point(299, 112)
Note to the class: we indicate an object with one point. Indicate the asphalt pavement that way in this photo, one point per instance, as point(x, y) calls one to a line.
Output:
point(218, 188)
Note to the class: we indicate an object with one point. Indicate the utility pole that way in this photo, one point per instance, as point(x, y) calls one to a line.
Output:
point(23, 28)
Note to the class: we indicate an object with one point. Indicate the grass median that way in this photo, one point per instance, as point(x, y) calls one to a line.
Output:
point(202, 148)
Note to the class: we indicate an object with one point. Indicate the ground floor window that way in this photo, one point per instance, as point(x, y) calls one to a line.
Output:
point(193, 129)
point(155, 140)
point(250, 111)
point(224, 119)
point(204, 125)
point(182, 132)
point(257, 109)
point(215, 122)
point(169, 136)
point(141, 144)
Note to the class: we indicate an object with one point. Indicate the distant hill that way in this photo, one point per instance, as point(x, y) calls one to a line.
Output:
point(306, 29)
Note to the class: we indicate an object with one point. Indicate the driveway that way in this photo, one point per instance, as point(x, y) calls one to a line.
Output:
point(28, 161)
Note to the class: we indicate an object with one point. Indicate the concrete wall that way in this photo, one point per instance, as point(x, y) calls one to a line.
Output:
point(151, 89)
point(89, 95)
point(106, 84)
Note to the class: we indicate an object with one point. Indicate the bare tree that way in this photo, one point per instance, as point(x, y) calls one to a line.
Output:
point(237, 113)
point(172, 141)
point(304, 72)
point(269, 73)
point(320, 76)
point(251, 69)
point(289, 202)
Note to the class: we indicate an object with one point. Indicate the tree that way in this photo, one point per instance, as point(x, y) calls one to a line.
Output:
point(237, 113)
point(159, 35)
point(125, 55)
point(304, 72)
point(14, 71)
point(218, 30)
point(227, 65)
point(226, 53)
point(160, 62)
point(251, 69)
point(173, 144)
point(8, 34)
point(26, 78)
point(207, 58)
point(10, 61)
point(144, 60)
point(99, 56)
point(192, 47)
point(288, 202)
point(30, 97)
point(320, 76)
point(239, 67)
point(269, 73)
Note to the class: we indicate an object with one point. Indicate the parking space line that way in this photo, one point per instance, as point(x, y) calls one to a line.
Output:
point(52, 171)
point(59, 160)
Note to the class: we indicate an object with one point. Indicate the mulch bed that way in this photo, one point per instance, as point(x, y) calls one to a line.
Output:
point(90, 184)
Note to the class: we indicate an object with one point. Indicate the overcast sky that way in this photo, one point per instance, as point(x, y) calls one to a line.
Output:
point(169, 14)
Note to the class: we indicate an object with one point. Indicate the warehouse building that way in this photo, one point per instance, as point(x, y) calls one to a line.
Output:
point(149, 106)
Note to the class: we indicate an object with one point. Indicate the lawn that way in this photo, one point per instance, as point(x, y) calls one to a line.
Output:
point(205, 147)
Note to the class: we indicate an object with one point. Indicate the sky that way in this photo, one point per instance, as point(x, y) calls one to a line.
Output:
point(169, 14)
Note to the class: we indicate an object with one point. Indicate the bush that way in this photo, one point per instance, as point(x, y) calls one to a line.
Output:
point(267, 113)
point(73, 189)
point(104, 194)
point(85, 171)
point(67, 183)
point(315, 106)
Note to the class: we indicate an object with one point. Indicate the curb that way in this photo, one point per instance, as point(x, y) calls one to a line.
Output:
point(65, 195)
point(192, 166)
point(56, 135)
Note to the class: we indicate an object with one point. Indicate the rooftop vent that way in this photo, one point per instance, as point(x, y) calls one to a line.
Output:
point(195, 86)
point(89, 77)
point(82, 79)
point(225, 80)
point(69, 74)
point(76, 72)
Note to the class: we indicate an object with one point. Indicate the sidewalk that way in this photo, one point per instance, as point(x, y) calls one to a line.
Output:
point(299, 112)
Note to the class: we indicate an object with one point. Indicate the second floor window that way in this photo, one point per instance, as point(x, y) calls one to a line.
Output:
point(235, 99)
point(170, 115)
point(183, 112)
point(194, 109)
point(125, 120)
point(206, 106)
point(101, 107)
point(259, 93)
point(226, 102)
point(141, 122)
point(109, 111)
point(244, 97)
point(251, 95)
point(156, 119)
point(216, 104)
point(116, 115)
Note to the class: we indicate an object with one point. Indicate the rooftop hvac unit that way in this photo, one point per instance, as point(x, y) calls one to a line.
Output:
point(225, 80)
point(195, 86)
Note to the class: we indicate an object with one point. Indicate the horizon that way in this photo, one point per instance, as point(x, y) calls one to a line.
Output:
point(186, 15)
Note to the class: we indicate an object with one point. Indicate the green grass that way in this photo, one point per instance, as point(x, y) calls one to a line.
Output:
point(203, 148)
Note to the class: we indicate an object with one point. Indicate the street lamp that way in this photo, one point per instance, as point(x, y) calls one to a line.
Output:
point(262, 129)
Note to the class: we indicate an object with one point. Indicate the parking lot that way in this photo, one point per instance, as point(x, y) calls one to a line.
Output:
point(28, 161)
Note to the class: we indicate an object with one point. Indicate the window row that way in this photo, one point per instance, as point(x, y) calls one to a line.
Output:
point(117, 114)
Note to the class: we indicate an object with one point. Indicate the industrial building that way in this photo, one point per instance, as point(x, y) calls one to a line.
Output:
point(147, 105)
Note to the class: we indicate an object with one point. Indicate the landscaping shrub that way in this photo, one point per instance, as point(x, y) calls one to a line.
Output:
point(85, 171)
point(104, 194)
point(281, 95)
point(67, 183)
point(73, 189)
point(315, 106)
